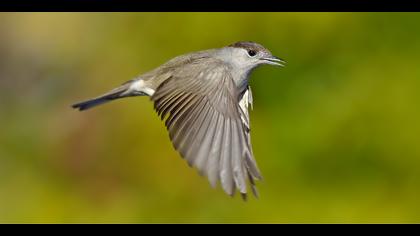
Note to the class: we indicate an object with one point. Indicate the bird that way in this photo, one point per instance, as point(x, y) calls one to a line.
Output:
point(203, 98)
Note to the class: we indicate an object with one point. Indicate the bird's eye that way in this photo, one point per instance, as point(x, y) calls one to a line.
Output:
point(252, 53)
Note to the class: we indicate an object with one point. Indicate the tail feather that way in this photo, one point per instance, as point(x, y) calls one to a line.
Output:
point(120, 92)
point(90, 103)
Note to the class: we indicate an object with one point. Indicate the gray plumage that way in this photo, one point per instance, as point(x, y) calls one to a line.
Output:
point(203, 98)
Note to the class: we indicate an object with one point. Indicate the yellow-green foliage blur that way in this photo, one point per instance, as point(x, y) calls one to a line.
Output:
point(336, 132)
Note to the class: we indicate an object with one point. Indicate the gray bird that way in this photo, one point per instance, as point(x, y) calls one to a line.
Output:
point(204, 97)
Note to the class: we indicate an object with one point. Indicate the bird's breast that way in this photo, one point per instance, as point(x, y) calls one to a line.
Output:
point(241, 81)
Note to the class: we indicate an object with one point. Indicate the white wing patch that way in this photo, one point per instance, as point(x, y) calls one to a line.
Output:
point(244, 103)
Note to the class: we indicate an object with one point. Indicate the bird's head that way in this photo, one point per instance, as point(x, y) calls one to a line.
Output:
point(249, 55)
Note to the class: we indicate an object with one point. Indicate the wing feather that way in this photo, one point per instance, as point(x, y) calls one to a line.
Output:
point(208, 123)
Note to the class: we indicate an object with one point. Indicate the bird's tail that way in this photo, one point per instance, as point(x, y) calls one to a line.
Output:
point(119, 92)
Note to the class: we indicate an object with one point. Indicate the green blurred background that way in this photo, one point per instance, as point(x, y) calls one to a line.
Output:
point(335, 132)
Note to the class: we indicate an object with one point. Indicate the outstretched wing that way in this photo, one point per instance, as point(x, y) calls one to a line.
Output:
point(205, 123)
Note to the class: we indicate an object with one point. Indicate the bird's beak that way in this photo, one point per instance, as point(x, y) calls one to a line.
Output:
point(272, 60)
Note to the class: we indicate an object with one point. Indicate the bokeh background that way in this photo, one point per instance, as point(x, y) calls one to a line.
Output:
point(335, 132)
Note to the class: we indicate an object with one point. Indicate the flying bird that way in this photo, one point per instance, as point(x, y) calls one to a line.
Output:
point(203, 97)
